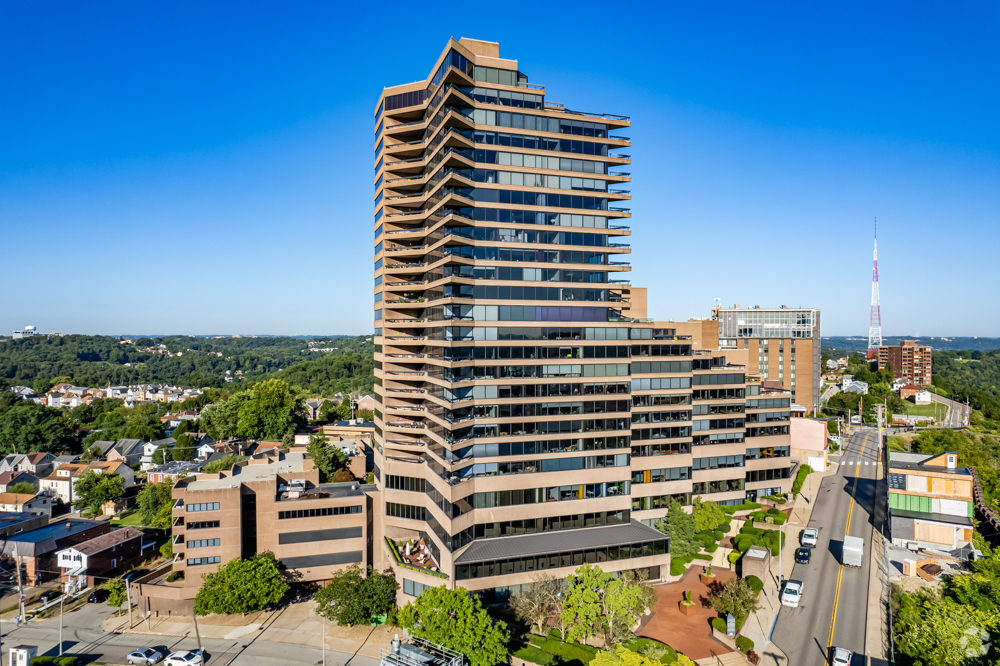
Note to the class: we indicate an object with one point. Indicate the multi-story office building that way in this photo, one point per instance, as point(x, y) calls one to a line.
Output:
point(908, 361)
point(784, 345)
point(530, 418)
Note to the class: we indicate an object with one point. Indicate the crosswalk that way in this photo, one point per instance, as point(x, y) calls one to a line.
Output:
point(856, 462)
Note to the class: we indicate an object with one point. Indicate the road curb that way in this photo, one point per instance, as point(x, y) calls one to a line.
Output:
point(877, 618)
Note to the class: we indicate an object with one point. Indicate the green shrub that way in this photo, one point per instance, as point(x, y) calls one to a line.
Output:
point(734, 556)
point(534, 655)
point(703, 556)
point(756, 584)
point(719, 624)
point(535, 639)
point(649, 647)
point(719, 535)
point(555, 633)
point(714, 547)
point(54, 661)
point(800, 477)
point(744, 644)
point(774, 511)
point(750, 529)
point(677, 566)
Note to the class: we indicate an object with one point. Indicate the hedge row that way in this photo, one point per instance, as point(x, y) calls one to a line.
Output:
point(800, 478)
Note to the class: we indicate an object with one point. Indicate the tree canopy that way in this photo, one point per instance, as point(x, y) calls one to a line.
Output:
point(154, 504)
point(26, 427)
point(242, 586)
point(267, 410)
point(458, 621)
point(681, 528)
point(351, 598)
point(22, 487)
point(599, 603)
point(93, 490)
point(328, 459)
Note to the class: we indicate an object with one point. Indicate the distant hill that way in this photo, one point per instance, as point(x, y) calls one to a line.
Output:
point(860, 344)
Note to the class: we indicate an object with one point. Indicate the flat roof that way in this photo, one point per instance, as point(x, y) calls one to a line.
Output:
point(56, 530)
point(347, 489)
point(500, 548)
point(915, 462)
point(290, 463)
point(936, 517)
point(8, 518)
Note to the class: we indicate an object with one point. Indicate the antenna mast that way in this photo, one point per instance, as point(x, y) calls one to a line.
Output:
point(875, 322)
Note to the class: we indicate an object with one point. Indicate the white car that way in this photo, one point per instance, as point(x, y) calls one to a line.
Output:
point(810, 536)
point(841, 657)
point(146, 656)
point(792, 593)
point(183, 658)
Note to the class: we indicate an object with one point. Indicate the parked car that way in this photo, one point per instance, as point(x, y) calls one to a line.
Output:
point(183, 658)
point(810, 536)
point(792, 593)
point(144, 655)
point(840, 657)
point(802, 555)
point(97, 596)
point(49, 596)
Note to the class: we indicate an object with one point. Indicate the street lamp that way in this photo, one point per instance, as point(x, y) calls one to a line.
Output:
point(781, 544)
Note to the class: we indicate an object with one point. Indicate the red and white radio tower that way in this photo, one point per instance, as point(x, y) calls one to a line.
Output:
point(875, 323)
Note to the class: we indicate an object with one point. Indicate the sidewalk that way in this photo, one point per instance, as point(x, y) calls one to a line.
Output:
point(877, 621)
point(758, 626)
point(296, 624)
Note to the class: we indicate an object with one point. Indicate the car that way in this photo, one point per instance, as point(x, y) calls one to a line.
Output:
point(802, 555)
point(97, 596)
point(810, 536)
point(792, 593)
point(144, 656)
point(46, 597)
point(840, 656)
point(183, 658)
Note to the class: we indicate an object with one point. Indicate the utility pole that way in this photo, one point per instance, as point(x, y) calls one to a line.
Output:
point(61, 600)
point(20, 588)
point(201, 651)
point(128, 600)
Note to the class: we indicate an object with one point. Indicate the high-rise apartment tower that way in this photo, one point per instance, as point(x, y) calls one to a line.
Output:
point(531, 419)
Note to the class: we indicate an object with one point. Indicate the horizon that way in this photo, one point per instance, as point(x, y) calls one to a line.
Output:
point(222, 182)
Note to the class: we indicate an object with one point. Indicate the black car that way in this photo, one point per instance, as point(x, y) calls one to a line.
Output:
point(97, 596)
point(802, 555)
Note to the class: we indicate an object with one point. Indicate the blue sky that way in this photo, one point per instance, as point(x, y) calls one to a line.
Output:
point(206, 167)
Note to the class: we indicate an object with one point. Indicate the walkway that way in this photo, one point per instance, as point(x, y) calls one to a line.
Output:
point(690, 634)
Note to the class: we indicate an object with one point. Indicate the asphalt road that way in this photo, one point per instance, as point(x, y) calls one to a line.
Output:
point(82, 636)
point(958, 413)
point(834, 602)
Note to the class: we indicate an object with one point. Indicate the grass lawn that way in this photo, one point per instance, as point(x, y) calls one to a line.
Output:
point(130, 519)
point(935, 409)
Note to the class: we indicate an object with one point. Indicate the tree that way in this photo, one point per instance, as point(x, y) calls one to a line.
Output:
point(707, 515)
point(332, 412)
point(26, 427)
point(91, 454)
point(41, 386)
point(365, 415)
point(328, 459)
point(735, 596)
point(154, 504)
point(162, 454)
point(242, 586)
point(351, 598)
point(226, 463)
point(23, 487)
point(184, 449)
point(597, 602)
point(680, 527)
point(536, 602)
point(458, 621)
point(116, 592)
point(93, 490)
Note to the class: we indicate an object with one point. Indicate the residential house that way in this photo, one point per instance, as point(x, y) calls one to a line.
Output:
point(66, 458)
point(128, 451)
point(931, 503)
point(92, 562)
point(922, 397)
point(8, 479)
point(40, 504)
point(38, 547)
point(149, 448)
point(312, 408)
point(909, 390)
point(104, 446)
point(38, 463)
point(114, 467)
point(61, 482)
point(173, 470)
point(369, 402)
point(11, 463)
point(857, 387)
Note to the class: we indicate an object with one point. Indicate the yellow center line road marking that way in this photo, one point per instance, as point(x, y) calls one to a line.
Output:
point(847, 531)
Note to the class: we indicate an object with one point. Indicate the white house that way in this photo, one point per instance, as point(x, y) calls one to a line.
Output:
point(40, 505)
point(922, 398)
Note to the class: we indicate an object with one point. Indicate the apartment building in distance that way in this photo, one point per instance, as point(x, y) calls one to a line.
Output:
point(908, 361)
point(784, 345)
point(530, 416)
point(931, 502)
